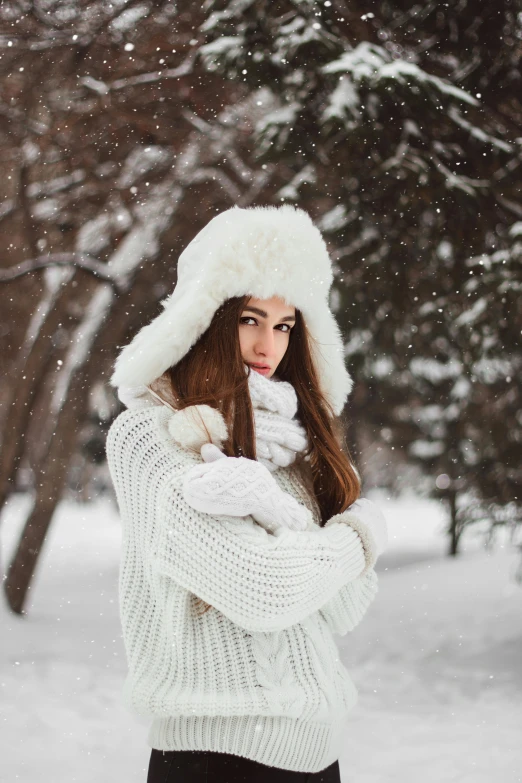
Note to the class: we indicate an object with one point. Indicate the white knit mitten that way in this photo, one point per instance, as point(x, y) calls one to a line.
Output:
point(370, 514)
point(240, 487)
point(369, 523)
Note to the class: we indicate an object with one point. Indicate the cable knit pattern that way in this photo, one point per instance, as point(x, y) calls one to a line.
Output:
point(279, 435)
point(259, 674)
point(274, 675)
point(240, 487)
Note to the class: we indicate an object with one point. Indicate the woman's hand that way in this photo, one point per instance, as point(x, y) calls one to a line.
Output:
point(240, 487)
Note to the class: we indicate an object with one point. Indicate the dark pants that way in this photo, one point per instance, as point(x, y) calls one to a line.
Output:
point(206, 766)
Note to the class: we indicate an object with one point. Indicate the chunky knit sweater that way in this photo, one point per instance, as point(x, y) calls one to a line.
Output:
point(259, 674)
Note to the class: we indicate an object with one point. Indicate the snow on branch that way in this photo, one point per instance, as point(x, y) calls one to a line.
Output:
point(80, 260)
point(151, 77)
point(95, 314)
point(226, 47)
point(477, 133)
point(371, 63)
point(466, 184)
point(140, 243)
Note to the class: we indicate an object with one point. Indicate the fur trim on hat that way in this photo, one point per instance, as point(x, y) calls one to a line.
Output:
point(198, 424)
point(257, 251)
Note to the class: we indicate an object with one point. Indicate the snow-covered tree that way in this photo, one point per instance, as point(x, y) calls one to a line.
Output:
point(390, 130)
point(113, 167)
point(124, 126)
point(490, 328)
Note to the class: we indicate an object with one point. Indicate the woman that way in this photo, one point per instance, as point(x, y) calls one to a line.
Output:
point(244, 545)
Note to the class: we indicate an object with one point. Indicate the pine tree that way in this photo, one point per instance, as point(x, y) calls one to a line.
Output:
point(392, 132)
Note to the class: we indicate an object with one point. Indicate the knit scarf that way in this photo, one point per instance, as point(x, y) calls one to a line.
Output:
point(279, 434)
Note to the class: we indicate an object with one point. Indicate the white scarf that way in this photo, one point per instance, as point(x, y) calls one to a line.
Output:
point(279, 434)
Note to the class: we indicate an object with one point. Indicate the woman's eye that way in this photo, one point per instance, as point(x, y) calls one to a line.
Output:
point(245, 318)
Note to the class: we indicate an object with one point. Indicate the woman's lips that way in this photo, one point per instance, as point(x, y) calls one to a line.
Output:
point(262, 368)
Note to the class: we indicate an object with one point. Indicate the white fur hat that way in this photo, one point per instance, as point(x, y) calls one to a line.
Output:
point(259, 251)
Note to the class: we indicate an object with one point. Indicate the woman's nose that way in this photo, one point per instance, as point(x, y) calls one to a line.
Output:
point(265, 344)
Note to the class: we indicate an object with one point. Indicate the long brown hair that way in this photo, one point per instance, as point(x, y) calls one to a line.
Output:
point(213, 373)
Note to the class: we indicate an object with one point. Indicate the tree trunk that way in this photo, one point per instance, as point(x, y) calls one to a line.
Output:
point(454, 531)
point(50, 481)
point(52, 475)
point(27, 376)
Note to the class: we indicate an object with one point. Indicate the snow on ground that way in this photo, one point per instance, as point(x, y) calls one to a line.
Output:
point(437, 660)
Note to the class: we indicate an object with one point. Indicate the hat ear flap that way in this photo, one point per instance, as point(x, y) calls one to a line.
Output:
point(195, 425)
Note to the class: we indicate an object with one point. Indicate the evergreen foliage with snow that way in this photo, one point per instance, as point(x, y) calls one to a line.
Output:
point(393, 131)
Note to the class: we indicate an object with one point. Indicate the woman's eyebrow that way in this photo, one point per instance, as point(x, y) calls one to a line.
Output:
point(264, 314)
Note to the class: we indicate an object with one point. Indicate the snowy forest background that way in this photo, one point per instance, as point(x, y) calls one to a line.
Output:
point(125, 126)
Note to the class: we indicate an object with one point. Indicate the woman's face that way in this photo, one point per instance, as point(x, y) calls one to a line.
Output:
point(264, 332)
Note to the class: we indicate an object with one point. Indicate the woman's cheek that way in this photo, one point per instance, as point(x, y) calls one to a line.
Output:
point(282, 344)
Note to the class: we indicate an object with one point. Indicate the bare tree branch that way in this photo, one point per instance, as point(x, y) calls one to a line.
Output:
point(156, 76)
point(81, 260)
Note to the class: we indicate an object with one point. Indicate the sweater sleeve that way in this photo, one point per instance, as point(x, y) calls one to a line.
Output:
point(346, 609)
point(260, 582)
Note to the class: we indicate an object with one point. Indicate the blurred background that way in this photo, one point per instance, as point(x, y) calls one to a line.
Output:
point(124, 128)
